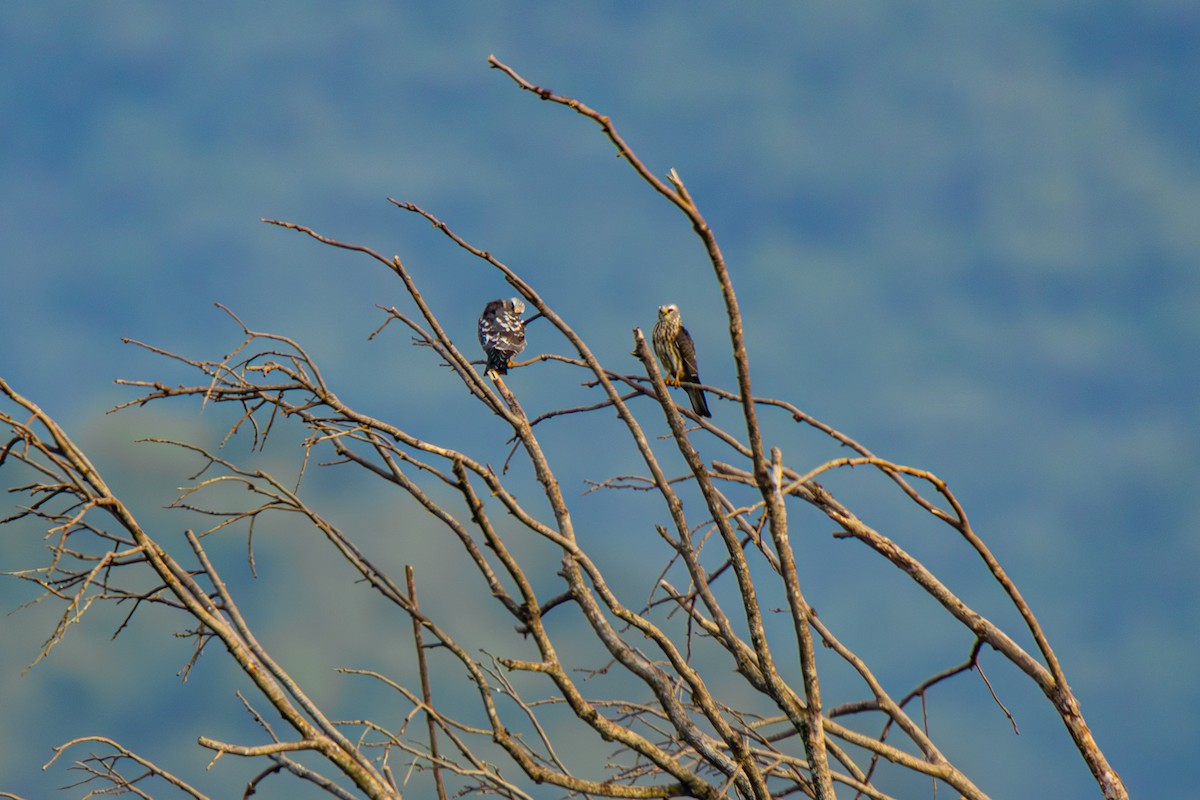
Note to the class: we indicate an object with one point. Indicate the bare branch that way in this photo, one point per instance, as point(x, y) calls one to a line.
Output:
point(703, 683)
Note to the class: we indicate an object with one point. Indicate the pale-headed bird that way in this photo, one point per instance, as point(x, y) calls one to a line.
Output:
point(677, 354)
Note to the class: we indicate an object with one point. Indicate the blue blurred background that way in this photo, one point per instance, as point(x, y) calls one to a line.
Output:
point(965, 235)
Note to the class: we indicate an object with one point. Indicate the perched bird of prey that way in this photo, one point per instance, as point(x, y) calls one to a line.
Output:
point(502, 333)
point(677, 354)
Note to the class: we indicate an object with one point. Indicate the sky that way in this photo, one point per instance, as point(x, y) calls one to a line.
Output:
point(964, 235)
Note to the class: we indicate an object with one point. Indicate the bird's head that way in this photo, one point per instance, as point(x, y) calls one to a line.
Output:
point(668, 310)
point(516, 305)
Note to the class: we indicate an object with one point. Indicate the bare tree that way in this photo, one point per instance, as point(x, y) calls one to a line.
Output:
point(660, 702)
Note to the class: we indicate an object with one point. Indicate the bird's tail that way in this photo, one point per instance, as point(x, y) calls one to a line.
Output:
point(497, 362)
point(699, 402)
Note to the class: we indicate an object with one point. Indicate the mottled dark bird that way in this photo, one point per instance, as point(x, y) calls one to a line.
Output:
point(502, 333)
point(677, 354)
